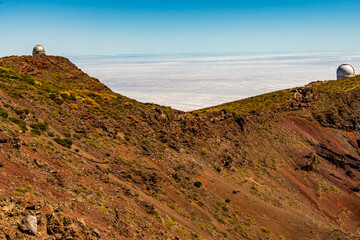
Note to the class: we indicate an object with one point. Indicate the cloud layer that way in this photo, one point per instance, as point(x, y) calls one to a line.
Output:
point(192, 81)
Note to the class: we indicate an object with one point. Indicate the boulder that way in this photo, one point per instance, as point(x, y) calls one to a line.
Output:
point(29, 225)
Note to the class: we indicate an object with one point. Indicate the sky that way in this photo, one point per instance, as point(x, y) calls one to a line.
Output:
point(74, 28)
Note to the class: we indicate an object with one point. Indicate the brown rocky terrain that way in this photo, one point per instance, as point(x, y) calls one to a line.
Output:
point(78, 161)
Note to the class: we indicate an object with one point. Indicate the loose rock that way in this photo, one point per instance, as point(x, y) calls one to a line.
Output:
point(96, 233)
point(29, 225)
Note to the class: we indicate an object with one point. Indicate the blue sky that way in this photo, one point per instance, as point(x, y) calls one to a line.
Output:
point(178, 26)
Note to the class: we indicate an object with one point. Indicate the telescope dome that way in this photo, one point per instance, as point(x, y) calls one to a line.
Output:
point(38, 49)
point(345, 71)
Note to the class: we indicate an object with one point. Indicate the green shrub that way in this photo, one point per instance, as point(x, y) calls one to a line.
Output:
point(201, 226)
point(102, 209)
point(65, 142)
point(219, 219)
point(20, 190)
point(265, 230)
point(64, 95)
point(172, 206)
point(59, 101)
point(194, 236)
point(203, 152)
point(68, 141)
point(16, 94)
point(21, 111)
point(77, 136)
point(67, 134)
point(247, 222)
point(50, 134)
point(72, 97)
point(36, 131)
point(3, 113)
point(197, 184)
point(227, 200)
point(28, 186)
point(21, 123)
point(42, 126)
point(52, 96)
point(76, 191)
point(169, 223)
point(8, 130)
point(27, 79)
point(240, 229)
point(56, 98)
point(157, 216)
point(37, 128)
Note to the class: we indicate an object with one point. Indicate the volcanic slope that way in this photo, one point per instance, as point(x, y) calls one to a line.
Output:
point(91, 164)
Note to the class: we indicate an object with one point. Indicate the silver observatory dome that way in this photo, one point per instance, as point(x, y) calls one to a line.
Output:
point(38, 49)
point(344, 71)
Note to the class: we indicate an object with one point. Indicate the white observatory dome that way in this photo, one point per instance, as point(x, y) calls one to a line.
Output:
point(38, 49)
point(345, 71)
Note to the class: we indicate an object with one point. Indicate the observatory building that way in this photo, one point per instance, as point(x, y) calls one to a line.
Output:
point(344, 71)
point(38, 49)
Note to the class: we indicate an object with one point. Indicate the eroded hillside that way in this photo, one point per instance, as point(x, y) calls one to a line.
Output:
point(91, 164)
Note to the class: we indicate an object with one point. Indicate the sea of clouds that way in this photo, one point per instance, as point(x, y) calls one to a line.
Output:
point(192, 81)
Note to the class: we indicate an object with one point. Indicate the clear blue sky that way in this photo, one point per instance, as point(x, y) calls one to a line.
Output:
point(178, 26)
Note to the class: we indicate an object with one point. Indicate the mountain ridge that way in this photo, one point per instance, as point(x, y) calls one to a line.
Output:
point(90, 163)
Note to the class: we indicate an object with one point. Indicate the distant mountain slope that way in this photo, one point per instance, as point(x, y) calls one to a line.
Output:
point(317, 95)
point(88, 163)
